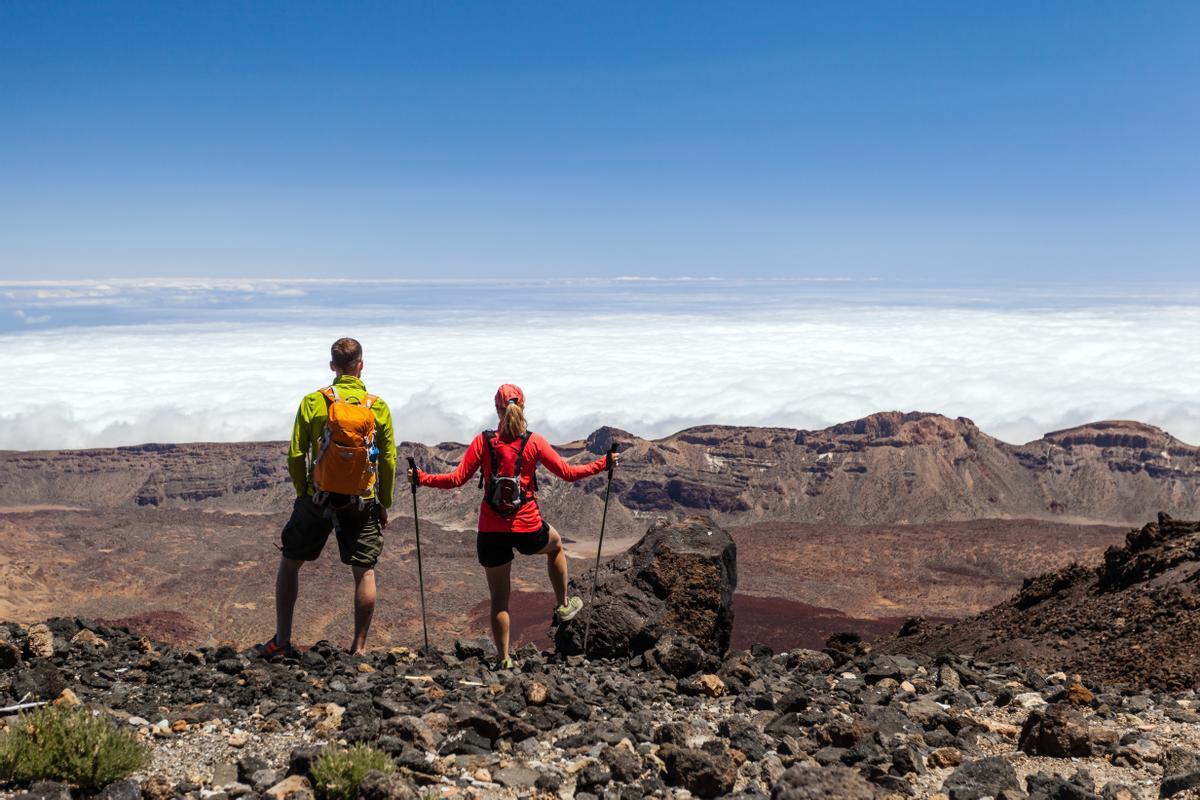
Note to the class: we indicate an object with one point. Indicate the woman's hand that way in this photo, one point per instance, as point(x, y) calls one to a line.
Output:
point(411, 474)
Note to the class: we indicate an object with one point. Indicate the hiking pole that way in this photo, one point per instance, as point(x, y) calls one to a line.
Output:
point(412, 465)
point(612, 464)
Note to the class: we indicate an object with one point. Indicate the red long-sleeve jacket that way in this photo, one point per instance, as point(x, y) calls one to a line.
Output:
point(528, 519)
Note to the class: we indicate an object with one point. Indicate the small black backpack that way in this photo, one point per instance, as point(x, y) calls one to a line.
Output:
point(503, 492)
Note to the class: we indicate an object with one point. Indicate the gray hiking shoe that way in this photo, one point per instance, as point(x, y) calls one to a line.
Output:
point(566, 613)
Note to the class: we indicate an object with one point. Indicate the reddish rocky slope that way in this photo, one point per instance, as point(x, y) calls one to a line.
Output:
point(1132, 619)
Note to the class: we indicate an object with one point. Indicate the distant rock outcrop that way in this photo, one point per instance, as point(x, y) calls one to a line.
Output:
point(1133, 619)
point(677, 581)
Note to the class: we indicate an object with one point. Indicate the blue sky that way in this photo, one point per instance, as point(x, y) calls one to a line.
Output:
point(931, 142)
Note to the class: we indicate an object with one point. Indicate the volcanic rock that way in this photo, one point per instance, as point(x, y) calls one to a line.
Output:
point(41, 641)
point(703, 773)
point(157, 787)
point(10, 655)
point(88, 638)
point(516, 776)
point(121, 790)
point(984, 777)
point(809, 660)
point(301, 761)
point(1174, 784)
point(678, 654)
point(812, 783)
point(1060, 731)
point(249, 766)
point(623, 762)
point(375, 785)
point(1080, 786)
point(47, 790)
point(293, 787)
point(680, 578)
point(710, 686)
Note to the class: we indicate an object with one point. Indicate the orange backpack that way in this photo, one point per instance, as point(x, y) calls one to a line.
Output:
point(345, 463)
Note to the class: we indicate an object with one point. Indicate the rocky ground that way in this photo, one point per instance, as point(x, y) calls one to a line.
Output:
point(1132, 619)
point(659, 706)
point(671, 722)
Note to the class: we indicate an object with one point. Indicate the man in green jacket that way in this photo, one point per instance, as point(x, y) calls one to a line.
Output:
point(358, 521)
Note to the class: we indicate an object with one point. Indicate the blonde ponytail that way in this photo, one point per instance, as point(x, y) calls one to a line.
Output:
point(512, 421)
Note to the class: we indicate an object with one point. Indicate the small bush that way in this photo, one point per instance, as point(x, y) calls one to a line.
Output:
point(337, 773)
point(69, 745)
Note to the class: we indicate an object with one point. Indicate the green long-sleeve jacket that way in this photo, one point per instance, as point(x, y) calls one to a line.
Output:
point(310, 427)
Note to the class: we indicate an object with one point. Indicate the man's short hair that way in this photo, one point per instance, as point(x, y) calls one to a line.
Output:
point(345, 353)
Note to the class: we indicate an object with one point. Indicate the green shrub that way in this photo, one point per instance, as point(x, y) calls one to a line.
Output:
point(337, 773)
point(69, 745)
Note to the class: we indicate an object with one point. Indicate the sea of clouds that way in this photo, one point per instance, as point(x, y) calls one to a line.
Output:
point(107, 364)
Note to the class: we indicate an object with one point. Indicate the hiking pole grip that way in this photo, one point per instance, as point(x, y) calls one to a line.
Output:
point(412, 465)
point(611, 464)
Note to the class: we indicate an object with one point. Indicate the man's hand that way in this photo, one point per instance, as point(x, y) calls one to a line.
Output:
point(383, 517)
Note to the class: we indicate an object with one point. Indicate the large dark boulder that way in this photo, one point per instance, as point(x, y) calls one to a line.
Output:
point(710, 772)
point(1060, 731)
point(817, 783)
point(679, 579)
point(984, 777)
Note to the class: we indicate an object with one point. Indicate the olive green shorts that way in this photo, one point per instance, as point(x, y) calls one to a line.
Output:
point(359, 534)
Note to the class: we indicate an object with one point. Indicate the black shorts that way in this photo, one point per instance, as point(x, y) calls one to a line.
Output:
point(359, 534)
point(496, 549)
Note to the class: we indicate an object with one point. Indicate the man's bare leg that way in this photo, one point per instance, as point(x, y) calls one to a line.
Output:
point(287, 589)
point(364, 607)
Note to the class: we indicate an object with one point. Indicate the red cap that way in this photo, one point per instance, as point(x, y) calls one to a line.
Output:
point(509, 393)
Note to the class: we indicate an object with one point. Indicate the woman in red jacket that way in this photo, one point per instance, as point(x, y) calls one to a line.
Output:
point(509, 518)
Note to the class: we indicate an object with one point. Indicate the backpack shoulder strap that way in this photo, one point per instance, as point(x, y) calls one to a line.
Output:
point(490, 466)
point(330, 393)
point(369, 400)
point(521, 455)
point(521, 451)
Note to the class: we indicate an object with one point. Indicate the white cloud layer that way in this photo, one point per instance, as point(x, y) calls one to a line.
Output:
point(1017, 372)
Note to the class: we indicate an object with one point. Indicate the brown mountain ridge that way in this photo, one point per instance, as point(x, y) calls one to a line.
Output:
point(888, 468)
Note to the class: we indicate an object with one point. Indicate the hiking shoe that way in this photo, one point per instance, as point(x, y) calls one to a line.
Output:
point(503, 664)
point(566, 613)
point(272, 650)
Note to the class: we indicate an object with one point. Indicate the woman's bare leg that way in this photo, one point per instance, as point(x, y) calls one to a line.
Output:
point(499, 587)
point(556, 566)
